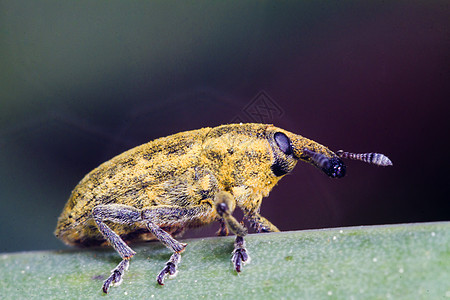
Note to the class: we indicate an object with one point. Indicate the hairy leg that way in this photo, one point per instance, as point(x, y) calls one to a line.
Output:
point(118, 214)
point(168, 215)
point(225, 205)
point(124, 214)
point(261, 224)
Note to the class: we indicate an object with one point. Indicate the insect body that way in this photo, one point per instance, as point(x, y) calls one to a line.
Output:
point(157, 190)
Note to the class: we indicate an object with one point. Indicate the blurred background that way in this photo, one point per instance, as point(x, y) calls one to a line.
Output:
point(83, 81)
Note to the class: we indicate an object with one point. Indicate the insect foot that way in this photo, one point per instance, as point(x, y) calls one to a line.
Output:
point(240, 256)
point(115, 279)
point(170, 270)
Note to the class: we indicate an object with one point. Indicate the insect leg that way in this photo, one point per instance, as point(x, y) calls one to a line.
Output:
point(239, 256)
point(171, 215)
point(225, 204)
point(170, 269)
point(223, 230)
point(258, 222)
point(261, 224)
point(171, 243)
point(119, 214)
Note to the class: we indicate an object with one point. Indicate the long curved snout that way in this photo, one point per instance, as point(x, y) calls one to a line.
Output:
point(335, 168)
point(318, 155)
point(332, 166)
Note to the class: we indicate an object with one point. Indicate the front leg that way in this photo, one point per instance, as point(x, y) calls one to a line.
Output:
point(225, 205)
point(240, 256)
point(259, 223)
point(223, 230)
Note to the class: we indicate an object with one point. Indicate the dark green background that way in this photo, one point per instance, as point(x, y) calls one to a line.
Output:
point(82, 81)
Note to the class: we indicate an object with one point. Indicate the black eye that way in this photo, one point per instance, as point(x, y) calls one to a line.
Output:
point(283, 143)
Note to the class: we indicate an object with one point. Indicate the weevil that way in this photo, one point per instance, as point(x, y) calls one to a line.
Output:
point(157, 190)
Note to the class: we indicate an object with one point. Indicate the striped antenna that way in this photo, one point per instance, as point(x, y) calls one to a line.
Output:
point(371, 158)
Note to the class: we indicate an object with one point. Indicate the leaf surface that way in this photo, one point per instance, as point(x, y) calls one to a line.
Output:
point(408, 261)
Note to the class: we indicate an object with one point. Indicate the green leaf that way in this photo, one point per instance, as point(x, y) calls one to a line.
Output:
point(379, 262)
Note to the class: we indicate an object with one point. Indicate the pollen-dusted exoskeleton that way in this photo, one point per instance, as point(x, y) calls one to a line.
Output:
point(157, 190)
